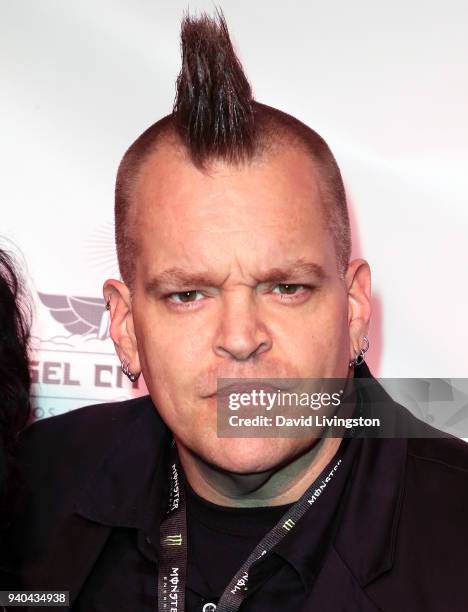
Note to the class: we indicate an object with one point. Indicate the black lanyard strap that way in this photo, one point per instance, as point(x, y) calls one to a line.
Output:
point(173, 539)
point(173, 545)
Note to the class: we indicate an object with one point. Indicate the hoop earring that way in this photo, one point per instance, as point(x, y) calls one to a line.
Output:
point(361, 356)
point(132, 377)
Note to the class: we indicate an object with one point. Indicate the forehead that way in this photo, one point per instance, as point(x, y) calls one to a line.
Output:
point(268, 209)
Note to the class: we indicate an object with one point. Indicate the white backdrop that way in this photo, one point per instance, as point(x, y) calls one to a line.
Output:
point(384, 83)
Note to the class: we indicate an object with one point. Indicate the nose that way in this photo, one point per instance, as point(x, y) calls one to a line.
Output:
point(241, 335)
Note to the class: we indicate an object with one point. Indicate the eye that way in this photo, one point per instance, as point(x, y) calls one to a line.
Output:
point(288, 288)
point(185, 297)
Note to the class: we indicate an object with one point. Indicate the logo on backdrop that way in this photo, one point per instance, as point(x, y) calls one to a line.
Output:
point(78, 315)
point(76, 366)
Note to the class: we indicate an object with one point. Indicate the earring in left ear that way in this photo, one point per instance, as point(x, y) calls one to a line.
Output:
point(360, 357)
point(126, 371)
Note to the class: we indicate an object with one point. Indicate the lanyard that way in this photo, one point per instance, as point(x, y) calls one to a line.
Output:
point(173, 540)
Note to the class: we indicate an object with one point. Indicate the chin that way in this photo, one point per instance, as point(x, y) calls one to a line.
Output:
point(249, 455)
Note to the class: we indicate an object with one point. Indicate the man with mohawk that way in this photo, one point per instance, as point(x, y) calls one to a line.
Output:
point(234, 247)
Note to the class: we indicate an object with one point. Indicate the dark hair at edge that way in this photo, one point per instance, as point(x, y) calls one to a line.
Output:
point(216, 118)
point(15, 323)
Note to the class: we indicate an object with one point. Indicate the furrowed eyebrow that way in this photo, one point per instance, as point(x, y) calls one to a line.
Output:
point(174, 278)
point(296, 270)
point(177, 277)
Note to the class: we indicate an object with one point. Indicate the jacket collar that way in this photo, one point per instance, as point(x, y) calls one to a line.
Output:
point(128, 487)
point(366, 537)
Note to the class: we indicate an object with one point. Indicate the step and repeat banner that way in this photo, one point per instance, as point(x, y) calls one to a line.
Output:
point(383, 83)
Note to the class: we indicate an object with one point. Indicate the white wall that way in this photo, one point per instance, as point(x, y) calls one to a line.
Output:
point(384, 83)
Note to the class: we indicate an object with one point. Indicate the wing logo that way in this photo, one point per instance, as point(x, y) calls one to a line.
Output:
point(78, 315)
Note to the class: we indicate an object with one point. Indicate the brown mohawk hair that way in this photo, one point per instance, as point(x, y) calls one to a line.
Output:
point(215, 117)
point(213, 111)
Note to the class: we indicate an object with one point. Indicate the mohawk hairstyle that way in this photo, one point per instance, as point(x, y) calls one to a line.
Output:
point(213, 107)
point(215, 117)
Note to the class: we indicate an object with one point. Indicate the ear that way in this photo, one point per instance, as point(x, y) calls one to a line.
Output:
point(358, 282)
point(122, 332)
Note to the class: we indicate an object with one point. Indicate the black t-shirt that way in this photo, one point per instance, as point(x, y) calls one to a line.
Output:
point(219, 540)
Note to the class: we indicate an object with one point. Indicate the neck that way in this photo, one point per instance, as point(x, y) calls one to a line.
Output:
point(282, 485)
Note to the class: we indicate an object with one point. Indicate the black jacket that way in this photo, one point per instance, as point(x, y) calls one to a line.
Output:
point(401, 545)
